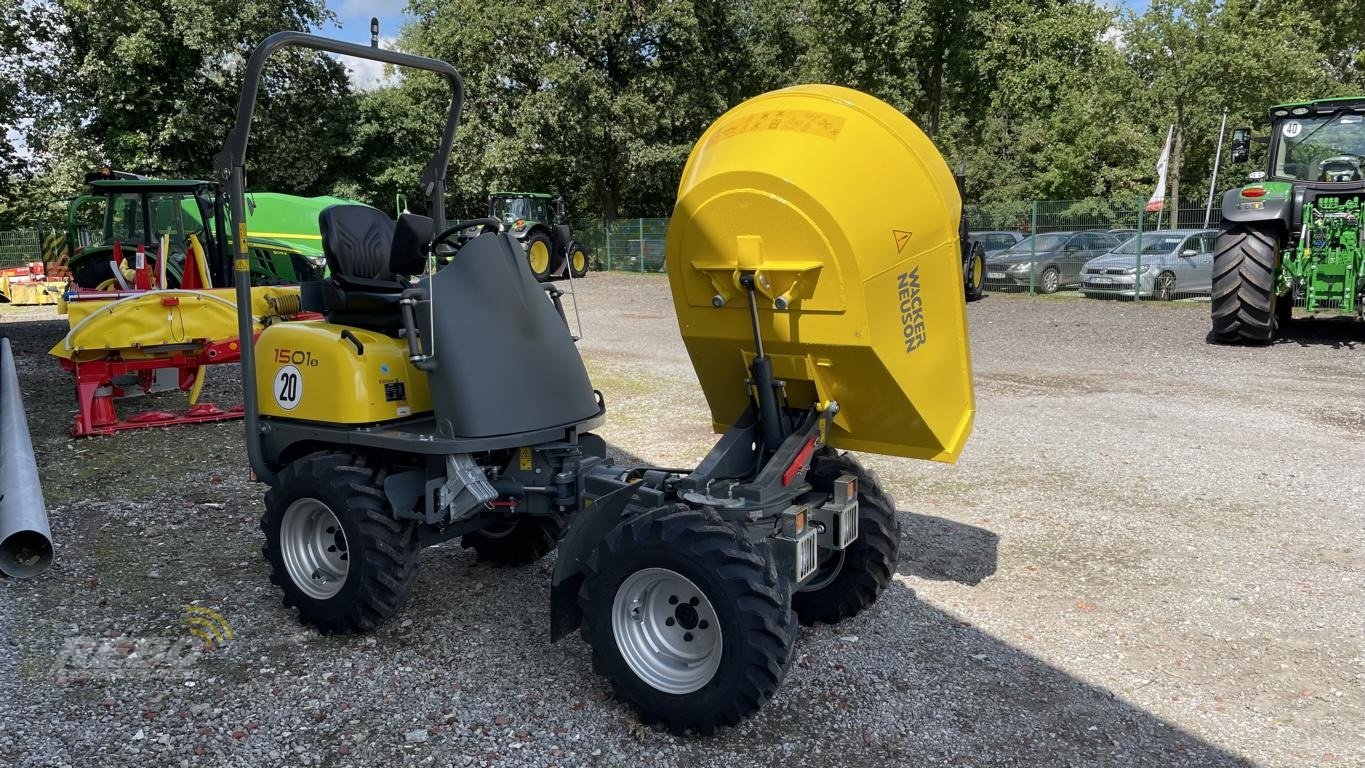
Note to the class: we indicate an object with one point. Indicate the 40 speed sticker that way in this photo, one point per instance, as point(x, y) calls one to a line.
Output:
point(288, 387)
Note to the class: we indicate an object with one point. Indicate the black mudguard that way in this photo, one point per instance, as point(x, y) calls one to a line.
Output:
point(1272, 209)
point(589, 527)
point(560, 240)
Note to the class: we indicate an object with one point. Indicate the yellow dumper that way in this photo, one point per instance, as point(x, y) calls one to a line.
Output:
point(815, 268)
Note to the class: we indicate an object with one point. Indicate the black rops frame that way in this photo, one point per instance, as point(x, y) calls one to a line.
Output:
point(230, 169)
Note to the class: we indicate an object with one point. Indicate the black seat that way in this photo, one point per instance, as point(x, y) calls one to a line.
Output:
point(362, 290)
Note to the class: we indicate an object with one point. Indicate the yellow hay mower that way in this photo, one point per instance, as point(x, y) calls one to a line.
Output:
point(441, 395)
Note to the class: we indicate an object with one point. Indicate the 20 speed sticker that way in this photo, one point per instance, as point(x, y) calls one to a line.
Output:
point(288, 387)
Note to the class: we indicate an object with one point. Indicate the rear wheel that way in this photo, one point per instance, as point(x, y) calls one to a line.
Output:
point(539, 256)
point(1245, 307)
point(688, 619)
point(851, 579)
point(578, 260)
point(976, 273)
point(333, 545)
point(520, 540)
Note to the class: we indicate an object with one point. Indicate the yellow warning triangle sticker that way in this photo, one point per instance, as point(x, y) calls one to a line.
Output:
point(902, 237)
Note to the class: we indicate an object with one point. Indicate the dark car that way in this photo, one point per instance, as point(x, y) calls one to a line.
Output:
point(1047, 261)
point(997, 240)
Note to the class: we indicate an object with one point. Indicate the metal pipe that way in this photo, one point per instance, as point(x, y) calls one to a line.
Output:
point(25, 538)
point(1213, 178)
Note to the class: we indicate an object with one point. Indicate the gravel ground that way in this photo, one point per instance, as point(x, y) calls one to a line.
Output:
point(1149, 554)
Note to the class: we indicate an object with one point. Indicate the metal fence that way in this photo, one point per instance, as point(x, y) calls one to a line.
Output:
point(1097, 248)
point(19, 247)
point(624, 245)
point(1156, 264)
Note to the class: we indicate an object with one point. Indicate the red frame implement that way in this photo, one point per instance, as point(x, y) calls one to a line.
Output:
point(96, 391)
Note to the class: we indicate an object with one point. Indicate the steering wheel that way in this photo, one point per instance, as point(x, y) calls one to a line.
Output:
point(455, 229)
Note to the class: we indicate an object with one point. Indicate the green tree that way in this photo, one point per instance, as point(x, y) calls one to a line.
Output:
point(152, 86)
point(1197, 57)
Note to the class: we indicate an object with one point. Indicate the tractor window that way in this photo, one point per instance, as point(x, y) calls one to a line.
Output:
point(1325, 148)
point(124, 221)
point(175, 214)
point(511, 209)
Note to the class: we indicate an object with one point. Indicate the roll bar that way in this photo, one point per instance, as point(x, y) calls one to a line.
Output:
point(230, 170)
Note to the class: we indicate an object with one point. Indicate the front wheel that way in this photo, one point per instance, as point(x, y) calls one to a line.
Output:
point(1164, 287)
point(333, 545)
point(688, 619)
point(976, 273)
point(1049, 281)
point(850, 580)
point(578, 260)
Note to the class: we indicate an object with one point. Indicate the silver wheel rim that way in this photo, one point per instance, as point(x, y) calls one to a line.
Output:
point(313, 545)
point(666, 630)
point(1049, 281)
point(1165, 287)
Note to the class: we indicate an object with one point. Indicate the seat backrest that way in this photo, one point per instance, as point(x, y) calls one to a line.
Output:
point(356, 240)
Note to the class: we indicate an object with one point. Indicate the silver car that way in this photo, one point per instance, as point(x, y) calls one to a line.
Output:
point(1172, 262)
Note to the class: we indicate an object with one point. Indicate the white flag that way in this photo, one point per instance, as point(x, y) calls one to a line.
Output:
point(1157, 201)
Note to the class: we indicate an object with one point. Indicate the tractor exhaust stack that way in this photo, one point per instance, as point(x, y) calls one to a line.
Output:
point(25, 538)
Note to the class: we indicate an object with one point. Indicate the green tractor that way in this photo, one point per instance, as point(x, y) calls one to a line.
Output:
point(124, 211)
point(536, 221)
point(1296, 232)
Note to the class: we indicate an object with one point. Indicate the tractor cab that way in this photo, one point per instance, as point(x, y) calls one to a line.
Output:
point(528, 208)
point(133, 213)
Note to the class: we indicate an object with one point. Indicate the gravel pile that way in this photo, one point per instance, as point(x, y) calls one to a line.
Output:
point(1150, 554)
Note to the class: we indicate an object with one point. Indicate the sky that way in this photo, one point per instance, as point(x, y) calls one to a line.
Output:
point(353, 25)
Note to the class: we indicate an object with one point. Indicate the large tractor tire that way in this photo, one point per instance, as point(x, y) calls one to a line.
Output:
point(975, 273)
point(850, 580)
point(519, 541)
point(540, 256)
point(334, 547)
point(688, 619)
point(578, 260)
point(1244, 306)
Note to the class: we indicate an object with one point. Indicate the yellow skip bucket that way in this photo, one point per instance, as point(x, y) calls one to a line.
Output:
point(846, 215)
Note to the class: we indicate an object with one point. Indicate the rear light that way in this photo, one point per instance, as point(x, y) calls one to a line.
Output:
point(1253, 192)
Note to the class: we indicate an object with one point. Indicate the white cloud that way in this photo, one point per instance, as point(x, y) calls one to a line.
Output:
point(367, 75)
point(1114, 37)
